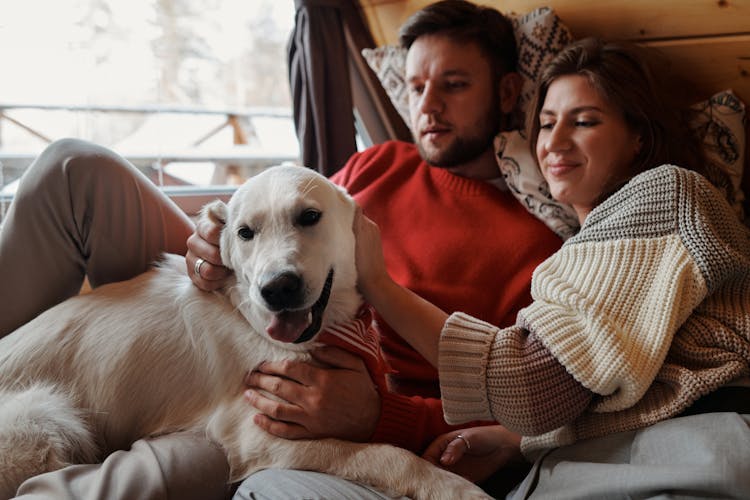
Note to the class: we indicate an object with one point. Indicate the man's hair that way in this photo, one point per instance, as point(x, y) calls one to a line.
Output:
point(466, 22)
point(624, 75)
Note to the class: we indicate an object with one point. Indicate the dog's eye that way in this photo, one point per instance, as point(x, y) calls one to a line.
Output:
point(309, 217)
point(245, 233)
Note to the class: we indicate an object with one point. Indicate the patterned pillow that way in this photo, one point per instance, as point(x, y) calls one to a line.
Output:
point(525, 181)
point(721, 124)
point(539, 35)
point(389, 63)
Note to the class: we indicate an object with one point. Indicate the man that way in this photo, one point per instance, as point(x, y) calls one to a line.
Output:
point(452, 233)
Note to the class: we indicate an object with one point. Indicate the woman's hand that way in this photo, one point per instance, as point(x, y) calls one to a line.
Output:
point(371, 270)
point(416, 320)
point(204, 255)
point(477, 453)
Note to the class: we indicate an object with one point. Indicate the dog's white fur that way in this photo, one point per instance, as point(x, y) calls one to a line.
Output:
point(155, 355)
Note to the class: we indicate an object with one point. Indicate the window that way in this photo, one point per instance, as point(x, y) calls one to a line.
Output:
point(193, 92)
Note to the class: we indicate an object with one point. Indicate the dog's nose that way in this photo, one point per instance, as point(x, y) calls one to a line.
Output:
point(284, 291)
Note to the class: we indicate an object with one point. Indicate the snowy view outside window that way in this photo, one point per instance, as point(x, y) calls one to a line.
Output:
point(194, 92)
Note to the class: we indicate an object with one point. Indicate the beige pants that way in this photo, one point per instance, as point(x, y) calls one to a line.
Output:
point(82, 211)
point(178, 466)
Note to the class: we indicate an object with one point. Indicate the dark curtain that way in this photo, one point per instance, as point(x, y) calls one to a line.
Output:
point(324, 60)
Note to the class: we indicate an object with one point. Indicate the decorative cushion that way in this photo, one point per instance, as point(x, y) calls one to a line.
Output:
point(525, 181)
point(721, 123)
point(540, 35)
point(389, 63)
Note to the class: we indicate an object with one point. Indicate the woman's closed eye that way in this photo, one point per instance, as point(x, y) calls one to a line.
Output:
point(587, 123)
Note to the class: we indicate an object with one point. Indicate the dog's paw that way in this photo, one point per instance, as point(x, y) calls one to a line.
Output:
point(448, 486)
point(418, 479)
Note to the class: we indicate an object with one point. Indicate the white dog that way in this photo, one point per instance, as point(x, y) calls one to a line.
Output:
point(155, 355)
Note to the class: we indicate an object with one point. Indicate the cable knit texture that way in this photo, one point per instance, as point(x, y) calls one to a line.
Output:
point(648, 307)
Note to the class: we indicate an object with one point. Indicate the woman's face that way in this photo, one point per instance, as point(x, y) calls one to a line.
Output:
point(585, 149)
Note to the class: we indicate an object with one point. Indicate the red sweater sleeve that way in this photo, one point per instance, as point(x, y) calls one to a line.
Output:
point(412, 422)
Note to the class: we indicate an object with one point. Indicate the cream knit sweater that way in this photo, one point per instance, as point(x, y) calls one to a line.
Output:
point(648, 307)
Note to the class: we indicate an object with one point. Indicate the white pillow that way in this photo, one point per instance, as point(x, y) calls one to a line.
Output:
point(525, 181)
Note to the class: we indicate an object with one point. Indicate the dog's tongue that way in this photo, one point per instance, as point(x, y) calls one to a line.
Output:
point(289, 325)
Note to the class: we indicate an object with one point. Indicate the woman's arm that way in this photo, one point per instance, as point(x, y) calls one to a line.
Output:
point(418, 321)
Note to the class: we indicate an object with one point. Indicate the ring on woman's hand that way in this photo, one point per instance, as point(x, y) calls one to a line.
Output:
point(197, 266)
point(466, 441)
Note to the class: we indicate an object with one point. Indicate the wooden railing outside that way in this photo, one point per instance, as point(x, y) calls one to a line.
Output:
point(231, 164)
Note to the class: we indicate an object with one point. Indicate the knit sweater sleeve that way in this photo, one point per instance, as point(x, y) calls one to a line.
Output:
point(506, 375)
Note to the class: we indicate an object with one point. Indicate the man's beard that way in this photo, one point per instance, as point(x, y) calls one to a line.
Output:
point(465, 148)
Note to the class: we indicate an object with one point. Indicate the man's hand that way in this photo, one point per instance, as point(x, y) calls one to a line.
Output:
point(334, 398)
point(478, 453)
point(204, 244)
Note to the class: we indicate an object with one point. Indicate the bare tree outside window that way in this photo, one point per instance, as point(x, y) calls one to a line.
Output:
point(194, 92)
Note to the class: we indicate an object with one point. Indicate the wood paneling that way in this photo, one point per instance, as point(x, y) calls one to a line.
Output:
point(712, 64)
point(629, 19)
point(708, 40)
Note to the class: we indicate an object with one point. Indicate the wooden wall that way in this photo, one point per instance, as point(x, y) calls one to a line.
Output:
point(707, 40)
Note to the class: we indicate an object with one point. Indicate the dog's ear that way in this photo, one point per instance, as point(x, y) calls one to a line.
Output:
point(216, 212)
point(347, 199)
point(344, 195)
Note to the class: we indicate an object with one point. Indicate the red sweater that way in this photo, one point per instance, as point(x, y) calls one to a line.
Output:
point(462, 244)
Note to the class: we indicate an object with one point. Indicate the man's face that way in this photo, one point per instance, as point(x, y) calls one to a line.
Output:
point(453, 101)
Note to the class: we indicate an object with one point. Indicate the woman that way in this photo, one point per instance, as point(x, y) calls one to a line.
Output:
point(642, 317)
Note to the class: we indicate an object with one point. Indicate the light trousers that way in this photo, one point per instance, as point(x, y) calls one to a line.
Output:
point(689, 458)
